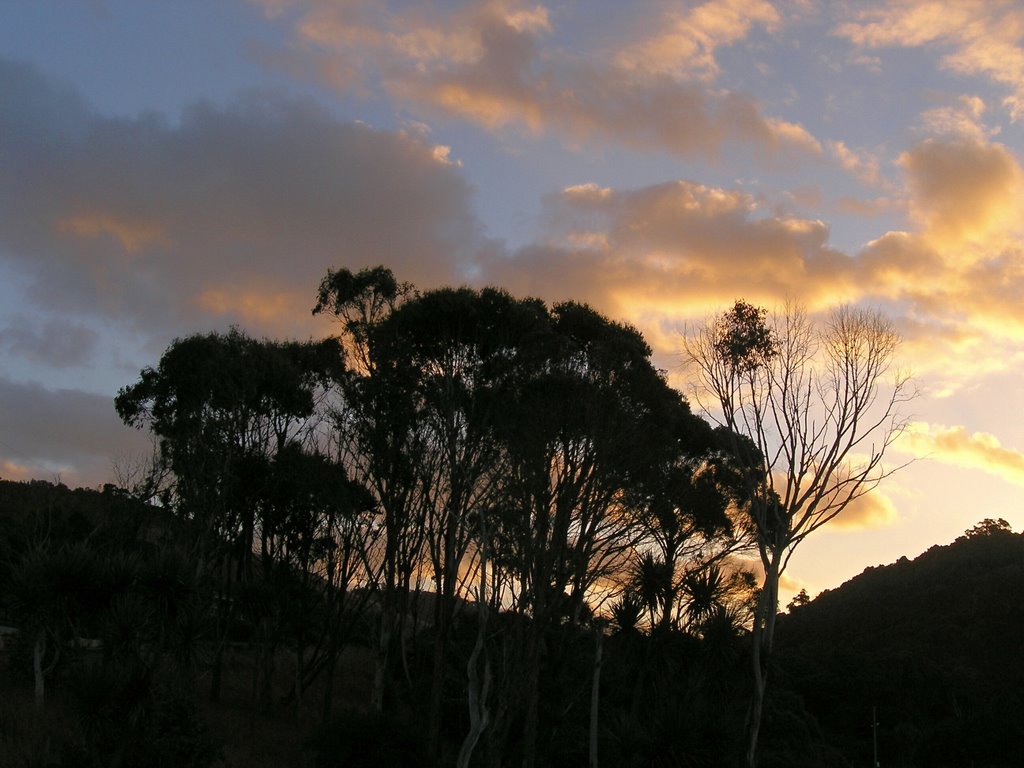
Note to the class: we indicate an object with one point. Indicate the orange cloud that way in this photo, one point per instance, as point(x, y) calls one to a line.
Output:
point(133, 235)
point(256, 307)
point(872, 510)
point(685, 41)
point(12, 470)
point(862, 164)
point(676, 249)
point(961, 119)
point(962, 189)
point(954, 445)
point(493, 63)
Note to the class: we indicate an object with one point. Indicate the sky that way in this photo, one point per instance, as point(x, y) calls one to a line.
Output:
point(176, 167)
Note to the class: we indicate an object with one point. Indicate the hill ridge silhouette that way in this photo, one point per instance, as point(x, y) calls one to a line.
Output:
point(934, 643)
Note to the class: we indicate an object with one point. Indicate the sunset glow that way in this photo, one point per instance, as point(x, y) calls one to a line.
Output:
point(168, 168)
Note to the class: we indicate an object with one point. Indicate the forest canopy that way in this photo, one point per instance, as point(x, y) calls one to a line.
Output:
point(531, 537)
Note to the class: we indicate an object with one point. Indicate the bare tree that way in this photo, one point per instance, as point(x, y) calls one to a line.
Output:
point(811, 410)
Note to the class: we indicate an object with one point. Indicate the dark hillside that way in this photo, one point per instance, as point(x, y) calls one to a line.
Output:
point(933, 643)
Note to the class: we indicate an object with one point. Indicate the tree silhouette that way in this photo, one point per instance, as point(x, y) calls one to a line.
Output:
point(818, 406)
point(223, 406)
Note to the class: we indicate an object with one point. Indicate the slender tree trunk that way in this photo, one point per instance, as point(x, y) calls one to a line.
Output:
point(595, 698)
point(216, 673)
point(38, 651)
point(300, 668)
point(437, 678)
point(532, 721)
point(381, 664)
point(479, 714)
point(761, 646)
point(221, 624)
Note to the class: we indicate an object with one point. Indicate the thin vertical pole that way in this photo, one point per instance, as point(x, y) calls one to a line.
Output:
point(874, 733)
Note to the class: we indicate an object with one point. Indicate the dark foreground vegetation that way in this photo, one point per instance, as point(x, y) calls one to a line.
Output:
point(931, 644)
point(470, 530)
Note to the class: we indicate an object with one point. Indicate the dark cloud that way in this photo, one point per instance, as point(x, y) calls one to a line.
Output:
point(229, 214)
point(65, 431)
point(58, 344)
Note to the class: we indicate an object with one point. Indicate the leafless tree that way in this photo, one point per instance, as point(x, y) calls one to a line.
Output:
point(811, 410)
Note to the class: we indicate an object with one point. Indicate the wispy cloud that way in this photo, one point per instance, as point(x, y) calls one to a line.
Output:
point(983, 37)
point(683, 42)
point(495, 64)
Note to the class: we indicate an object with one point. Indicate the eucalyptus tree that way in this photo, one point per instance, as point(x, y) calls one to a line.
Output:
point(223, 406)
point(586, 418)
point(811, 410)
point(379, 439)
point(313, 517)
point(454, 347)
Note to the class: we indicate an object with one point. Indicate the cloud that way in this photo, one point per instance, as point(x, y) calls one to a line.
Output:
point(230, 214)
point(788, 584)
point(68, 432)
point(492, 63)
point(960, 119)
point(862, 164)
point(956, 446)
point(674, 250)
point(684, 42)
point(872, 510)
point(663, 254)
point(59, 344)
point(983, 37)
point(962, 189)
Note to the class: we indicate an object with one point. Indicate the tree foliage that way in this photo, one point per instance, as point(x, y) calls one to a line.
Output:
point(529, 531)
point(810, 410)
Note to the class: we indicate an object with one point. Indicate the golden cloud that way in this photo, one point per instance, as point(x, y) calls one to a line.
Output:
point(663, 254)
point(872, 510)
point(907, 23)
point(684, 44)
point(961, 119)
point(492, 63)
point(955, 445)
point(962, 189)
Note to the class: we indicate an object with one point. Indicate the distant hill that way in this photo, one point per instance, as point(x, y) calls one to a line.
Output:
point(934, 643)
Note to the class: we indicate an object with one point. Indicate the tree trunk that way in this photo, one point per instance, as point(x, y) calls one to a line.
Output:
point(437, 678)
point(479, 714)
point(300, 669)
point(381, 663)
point(331, 667)
point(216, 670)
point(595, 698)
point(532, 721)
point(761, 647)
point(38, 651)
